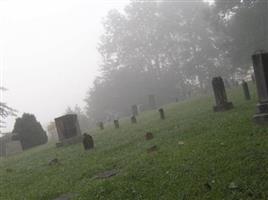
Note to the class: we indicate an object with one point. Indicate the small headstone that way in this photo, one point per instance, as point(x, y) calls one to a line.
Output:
point(246, 90)
point(116, 124)
point(222, 103)
point(152, 102)
point(101, 126)
point(149, 136)
point(88, 142)
point(134, 110)
point(152, 149)
point(162, 113)
point(54, 161)
point(260, 65)
point(133, 120)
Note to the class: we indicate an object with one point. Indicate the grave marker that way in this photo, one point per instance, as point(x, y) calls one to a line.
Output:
point(246, 90)
point(222, 103)
point(116, 124)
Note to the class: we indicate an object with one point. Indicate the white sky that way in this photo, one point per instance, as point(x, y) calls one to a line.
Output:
point(48, 54)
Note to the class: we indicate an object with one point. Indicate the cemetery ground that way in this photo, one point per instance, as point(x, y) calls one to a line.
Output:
point(198, 154)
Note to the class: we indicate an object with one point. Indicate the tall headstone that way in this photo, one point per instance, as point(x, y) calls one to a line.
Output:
point(133, 120)
point(246, 90)
point(152, 102)
point(222, 103)
point(134, 110)
point(67, 126)
point(162, 113)
point(260, 65)
point(116, 124)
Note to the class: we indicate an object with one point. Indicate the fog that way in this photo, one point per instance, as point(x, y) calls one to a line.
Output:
point(48, 53)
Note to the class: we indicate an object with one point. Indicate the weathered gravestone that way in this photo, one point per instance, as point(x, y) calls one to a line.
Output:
point(68, 129)
point(101, 126)
point(152, 102)
point(13, 147)
point(88, 142)
point(134, 110)
point(133, 120)
point(162, 113)
point(260, 65)
point(116, 124)
point(222, 103)
point(246, 90)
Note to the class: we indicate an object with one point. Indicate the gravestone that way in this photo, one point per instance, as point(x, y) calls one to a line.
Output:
point(162, 113)
point(88, 142)
point(101, 126)
point(135, 110)
point(152, 102)
point(13, 147)
point(222, 103)
point(260, 65)
point(246, 90)
point(149, 136)
point(133, 120)
point(116, 124)
point(67, 126)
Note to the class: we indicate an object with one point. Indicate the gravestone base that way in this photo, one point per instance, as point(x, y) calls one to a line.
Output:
point(223, 107)
point(70, 141)
point(261, 116)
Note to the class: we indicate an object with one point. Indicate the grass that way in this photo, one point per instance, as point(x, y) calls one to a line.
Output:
point(219, 150)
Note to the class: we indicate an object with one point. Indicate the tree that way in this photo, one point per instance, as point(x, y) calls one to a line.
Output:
point(29, 131)
point(5, 110)
point(83, 120)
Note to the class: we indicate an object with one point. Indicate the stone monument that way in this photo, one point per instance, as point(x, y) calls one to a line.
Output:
point(162, 113)
point(88, 142)
point(222, 103)
point(260, 65)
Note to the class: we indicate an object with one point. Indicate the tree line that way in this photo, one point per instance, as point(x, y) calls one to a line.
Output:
point(172, 50)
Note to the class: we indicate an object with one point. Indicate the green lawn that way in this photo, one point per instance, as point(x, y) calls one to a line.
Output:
point(219, 150)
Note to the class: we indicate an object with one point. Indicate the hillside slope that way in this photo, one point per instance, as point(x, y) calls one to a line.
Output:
point(200, 155)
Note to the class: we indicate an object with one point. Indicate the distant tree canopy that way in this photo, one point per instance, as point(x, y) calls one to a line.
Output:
point(83, 119)
point(171, 49)
point(29, 131)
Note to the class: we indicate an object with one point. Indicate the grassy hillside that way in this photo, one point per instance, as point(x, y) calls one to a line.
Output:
point(201, 155)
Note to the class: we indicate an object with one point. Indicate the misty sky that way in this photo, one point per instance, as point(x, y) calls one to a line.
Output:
point(48, 53)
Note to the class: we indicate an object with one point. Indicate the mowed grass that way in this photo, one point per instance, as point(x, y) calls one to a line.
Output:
point(223, 156)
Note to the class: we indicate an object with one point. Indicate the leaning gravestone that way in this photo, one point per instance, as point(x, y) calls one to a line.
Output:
point(13, 147)
point(222, 103)
point(246, 90)
point(68, 129)
point(134, 110)
point(152, 102)
point(260, 65)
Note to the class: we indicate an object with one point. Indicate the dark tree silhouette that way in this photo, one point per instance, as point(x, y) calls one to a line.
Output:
point(29, 131)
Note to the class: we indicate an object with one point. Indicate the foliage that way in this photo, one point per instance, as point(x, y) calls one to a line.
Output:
point(29, 131)
point(163, 48)
point(84, 122)
point(5, 110)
